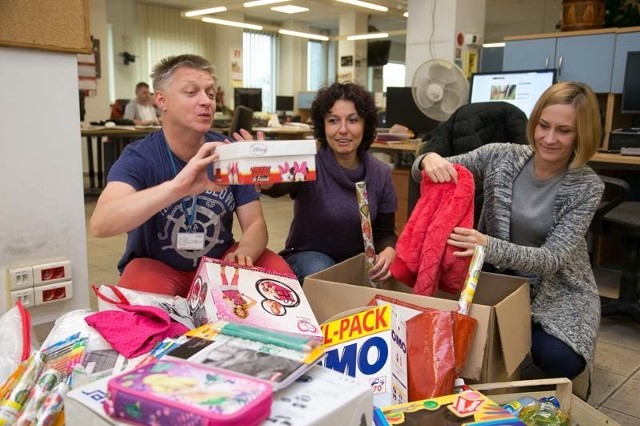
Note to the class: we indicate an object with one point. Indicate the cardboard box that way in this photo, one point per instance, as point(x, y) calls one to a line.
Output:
point(266, 161)
point(501, 307)
point(580, 413)
point(312, 400)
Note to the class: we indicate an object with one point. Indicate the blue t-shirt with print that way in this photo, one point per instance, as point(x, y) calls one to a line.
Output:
point(145, 164)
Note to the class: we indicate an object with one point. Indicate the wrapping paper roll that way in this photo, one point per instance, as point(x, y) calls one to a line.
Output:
point(471, 282)
point(45, 384)
point(365, 222)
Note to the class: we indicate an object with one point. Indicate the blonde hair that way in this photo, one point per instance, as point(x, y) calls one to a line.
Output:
point(164, 70)
point(588, 122)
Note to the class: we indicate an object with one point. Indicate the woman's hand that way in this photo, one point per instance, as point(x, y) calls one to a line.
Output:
point(466, 239)
point(438, 169)
point(380, 269)
point(194, 178)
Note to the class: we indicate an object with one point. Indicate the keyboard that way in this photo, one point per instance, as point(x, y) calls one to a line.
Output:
point(627, 150)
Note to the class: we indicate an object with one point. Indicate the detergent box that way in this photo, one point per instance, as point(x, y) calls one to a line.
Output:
point(251, 162)
point(370, 346)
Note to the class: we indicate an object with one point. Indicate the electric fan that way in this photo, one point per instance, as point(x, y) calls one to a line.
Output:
point(439, 88)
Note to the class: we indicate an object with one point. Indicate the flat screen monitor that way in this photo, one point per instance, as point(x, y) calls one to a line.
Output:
point(305, 99)
point(378, 53)
point(631, 86)
point(249, 97)
point(401, 109)
point(284, 103)
point(519, 88)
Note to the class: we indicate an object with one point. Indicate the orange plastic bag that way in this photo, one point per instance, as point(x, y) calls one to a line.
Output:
point(437, 346)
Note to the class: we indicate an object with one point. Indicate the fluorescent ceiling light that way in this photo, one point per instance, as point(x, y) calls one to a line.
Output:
point(262, 2)
point(199, 12)
point(365, 4)
point(367, 36)
point(232, 23)
point(500, 44)
point(304, 35)
point(289, 9)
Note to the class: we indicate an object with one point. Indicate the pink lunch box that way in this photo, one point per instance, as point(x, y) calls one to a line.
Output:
point(182, 393)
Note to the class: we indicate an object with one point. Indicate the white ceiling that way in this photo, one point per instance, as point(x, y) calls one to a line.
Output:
point(322, 14)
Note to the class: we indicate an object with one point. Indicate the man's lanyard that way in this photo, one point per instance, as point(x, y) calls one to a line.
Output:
point(189, 215)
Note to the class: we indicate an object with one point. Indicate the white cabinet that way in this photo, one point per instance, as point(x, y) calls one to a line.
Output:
point(587, 58)
point(625, 42)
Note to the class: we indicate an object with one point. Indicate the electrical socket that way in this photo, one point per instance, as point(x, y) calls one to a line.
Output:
point(26, 296)
point(20, 278)
point(47, 273)
point(55, 292)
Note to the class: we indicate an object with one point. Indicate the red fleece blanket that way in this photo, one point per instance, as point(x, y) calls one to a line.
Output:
point(424, 260)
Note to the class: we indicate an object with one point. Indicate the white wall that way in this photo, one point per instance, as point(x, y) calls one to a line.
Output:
point(42, 203)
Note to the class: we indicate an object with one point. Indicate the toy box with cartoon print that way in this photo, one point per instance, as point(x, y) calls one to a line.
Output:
point(250, 295)
point(254, 162)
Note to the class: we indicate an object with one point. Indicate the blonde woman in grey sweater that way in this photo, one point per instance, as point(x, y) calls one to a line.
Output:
point(539, 200)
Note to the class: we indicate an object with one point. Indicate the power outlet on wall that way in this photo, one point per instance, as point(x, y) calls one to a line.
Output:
point(47, 273)
point(55, 292)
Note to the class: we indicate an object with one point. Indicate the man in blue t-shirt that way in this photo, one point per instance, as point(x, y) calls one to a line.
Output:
point(159, 191)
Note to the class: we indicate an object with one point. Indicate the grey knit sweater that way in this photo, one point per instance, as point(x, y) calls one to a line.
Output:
point(567, 303)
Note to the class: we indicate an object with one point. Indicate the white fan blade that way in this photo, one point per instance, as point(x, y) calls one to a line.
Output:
point(451, 101)
point(443, 72)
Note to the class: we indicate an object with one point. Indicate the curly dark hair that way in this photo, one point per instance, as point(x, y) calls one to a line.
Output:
point(349, 91)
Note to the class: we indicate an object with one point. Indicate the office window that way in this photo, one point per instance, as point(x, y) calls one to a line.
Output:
point(316, 70)
point(393, 76)
point(259, 51)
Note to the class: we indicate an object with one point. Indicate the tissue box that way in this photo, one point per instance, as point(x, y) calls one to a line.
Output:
point(251, 162)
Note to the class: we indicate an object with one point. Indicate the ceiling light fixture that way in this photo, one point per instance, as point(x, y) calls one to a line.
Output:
point(304, 35)
point(365, 4)
point(405, 15)
point(289, 9)
point(232, 23)
point(198, 12)
point(368, 36)
point(262, 2)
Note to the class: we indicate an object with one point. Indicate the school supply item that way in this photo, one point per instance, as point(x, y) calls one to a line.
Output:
point(175, 393)
point(278, 358)
point(251, 296)
point(12, 405)
point(367, 230)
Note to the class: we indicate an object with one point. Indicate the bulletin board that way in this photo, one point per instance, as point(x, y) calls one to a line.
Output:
point(58, 25)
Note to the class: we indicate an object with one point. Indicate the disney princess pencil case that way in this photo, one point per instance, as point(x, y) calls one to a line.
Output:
point(181, 393)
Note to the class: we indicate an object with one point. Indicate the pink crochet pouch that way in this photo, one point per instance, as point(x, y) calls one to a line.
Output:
point(136, 329)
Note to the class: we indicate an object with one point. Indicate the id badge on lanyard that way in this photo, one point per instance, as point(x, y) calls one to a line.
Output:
point(190, 241)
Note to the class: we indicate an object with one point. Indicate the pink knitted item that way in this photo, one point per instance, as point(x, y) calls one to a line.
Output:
point(424, 260)
point(136, 329)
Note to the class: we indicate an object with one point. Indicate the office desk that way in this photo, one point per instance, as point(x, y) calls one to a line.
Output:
point(119, 135)
point(616, 161)
point(284, 132)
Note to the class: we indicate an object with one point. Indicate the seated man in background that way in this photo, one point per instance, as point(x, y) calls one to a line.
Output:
point(142, 110)
point(160, 192)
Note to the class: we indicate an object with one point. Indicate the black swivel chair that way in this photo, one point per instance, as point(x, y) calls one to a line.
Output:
point(470, 127)
point(242, 119)
point(618, 216)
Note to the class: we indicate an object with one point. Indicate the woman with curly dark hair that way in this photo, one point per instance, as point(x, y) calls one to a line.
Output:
point(326, 222)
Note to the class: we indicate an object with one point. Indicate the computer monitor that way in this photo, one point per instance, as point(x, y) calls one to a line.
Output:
point(284, 103)
point(520, 88)
point(401, 109)
point(631, 87)
point(249, 97)
point(305, 99)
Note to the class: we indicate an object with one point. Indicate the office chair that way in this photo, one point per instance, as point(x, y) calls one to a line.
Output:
point(470, 127)
point(117, 108)
point(242, 119)
point(618, 216)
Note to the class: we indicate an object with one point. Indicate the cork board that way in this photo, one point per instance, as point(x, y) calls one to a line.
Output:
point(59, 25)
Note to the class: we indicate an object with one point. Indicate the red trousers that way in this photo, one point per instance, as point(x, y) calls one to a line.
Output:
point(154, 276)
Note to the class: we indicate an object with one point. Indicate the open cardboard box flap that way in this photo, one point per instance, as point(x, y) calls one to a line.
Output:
point(501, 307)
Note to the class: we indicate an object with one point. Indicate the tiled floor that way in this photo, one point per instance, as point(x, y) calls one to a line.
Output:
point(616, 378)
